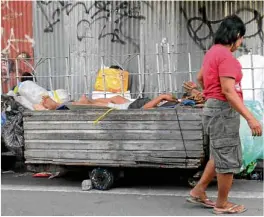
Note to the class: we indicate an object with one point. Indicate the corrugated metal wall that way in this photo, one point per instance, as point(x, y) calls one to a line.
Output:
point(72, 36)
point(16, 40)
point(85, 31)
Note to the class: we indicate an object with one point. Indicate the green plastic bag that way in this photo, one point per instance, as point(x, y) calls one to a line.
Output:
point(252, 147)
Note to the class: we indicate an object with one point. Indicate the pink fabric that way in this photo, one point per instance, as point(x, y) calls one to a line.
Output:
point(219, 62)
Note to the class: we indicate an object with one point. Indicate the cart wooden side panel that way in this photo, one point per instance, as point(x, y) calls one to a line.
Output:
point(124, 138)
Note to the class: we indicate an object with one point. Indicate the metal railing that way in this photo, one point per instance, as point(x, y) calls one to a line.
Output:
point(163, 72)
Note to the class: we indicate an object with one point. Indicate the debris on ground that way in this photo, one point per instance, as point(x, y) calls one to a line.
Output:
point(42, 175)
point(87, 185)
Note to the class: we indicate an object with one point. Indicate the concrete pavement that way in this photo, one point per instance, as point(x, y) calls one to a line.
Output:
point(24, 195)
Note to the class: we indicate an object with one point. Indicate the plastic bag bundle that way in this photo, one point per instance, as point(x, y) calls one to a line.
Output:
point(32, 92)
point(59, 96)
point(252, 147)
point(12, 130)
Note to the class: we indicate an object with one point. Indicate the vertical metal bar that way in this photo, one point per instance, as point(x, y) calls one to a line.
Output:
point(85, 76)
point(89, 78)
point(102, 64)
point(68, 77)
point(163, 71)
point(142, 46)
point(17, 75)
point(139, 76)
point(169, 66)
point(226, 8)
point(190, 66)
point(121, 73)
point(50, 74)
point(158, 71)
point(8, 75)
point(252, 75)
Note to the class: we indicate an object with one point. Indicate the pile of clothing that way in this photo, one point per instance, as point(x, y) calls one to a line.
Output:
point(192, 95)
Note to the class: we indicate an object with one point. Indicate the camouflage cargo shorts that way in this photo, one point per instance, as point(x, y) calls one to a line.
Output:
point(221, 124)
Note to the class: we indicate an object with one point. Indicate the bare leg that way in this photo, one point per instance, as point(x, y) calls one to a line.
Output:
point(224, 186)
point(102, 100)
point(114, 99)
point(119, 100)
point(207, 177)
point(84, 100)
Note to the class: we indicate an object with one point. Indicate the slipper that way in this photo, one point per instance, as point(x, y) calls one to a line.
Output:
point(196, 200)
point(230, 210)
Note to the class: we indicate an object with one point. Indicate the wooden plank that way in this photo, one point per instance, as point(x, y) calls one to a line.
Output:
point(118, 115)
point(73, 162)
point(110, 125)
point(114, 155)
point(88, 161)
point(162, 145)
point(112, 134)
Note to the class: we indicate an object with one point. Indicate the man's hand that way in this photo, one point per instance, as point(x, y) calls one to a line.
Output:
point(255, 127)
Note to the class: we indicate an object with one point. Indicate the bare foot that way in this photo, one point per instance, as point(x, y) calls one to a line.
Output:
point(49, 103)
point(39, 107)
point(201, 195)
point(228, 208)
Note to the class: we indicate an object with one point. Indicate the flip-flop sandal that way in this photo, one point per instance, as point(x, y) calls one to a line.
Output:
point(230, 210)
point(196, 200)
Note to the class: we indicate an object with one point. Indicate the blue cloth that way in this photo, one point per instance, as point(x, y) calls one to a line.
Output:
point(3, 118)
point(188, 102)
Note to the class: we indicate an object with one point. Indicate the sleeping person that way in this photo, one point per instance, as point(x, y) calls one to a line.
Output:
point(117, 102)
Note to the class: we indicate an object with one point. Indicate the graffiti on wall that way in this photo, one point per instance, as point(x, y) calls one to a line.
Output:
point(203, 39)
point(16, 41)
point(12, 43)
point(10, 12)
point(111, 15)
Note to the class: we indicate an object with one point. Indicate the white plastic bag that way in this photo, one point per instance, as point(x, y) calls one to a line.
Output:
point(59, 96)
point(24, 102)
point(32, 92)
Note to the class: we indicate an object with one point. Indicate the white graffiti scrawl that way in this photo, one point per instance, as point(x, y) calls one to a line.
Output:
point(12, 14)
point(13, 42)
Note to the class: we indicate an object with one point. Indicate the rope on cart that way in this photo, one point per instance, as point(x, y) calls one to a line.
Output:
point(102, 116)
point(182, 137)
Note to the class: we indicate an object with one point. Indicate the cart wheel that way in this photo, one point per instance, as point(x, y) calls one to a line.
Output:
point(102, 179)
point(192, 182)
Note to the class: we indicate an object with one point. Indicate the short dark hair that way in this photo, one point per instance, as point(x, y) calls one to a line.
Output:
point(26, 76)
point(231, 29)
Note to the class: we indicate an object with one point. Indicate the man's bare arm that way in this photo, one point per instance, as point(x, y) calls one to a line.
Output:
point(200, 78)
point(228, 89)
point(153, 103)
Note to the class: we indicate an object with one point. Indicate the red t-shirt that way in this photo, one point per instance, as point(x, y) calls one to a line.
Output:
point(219, 62)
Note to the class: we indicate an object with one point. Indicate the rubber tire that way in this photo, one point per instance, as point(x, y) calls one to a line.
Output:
point(102, 179)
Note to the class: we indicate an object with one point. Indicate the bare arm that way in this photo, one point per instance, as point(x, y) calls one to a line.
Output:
point(153, 103)
point(200, 78)
point(235, 101)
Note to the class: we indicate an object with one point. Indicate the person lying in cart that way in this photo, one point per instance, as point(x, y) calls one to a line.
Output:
point(117, 102)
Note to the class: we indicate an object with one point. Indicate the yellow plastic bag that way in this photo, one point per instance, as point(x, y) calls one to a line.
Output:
point(113, 80)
